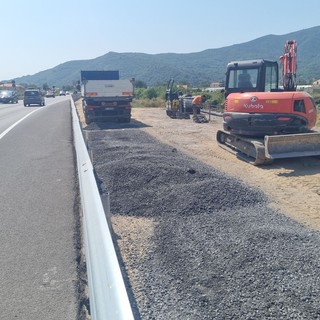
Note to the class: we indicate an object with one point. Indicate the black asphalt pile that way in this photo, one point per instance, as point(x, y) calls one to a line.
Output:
point(218, 250)
point(151, 179)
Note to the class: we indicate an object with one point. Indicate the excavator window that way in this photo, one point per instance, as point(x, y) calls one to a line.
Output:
point(271, 78)
point(243, 78)
point(299, 106)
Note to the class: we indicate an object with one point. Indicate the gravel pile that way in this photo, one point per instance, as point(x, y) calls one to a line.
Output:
point(218, 251)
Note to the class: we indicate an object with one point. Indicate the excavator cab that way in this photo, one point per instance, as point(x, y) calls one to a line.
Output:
point(252, 76)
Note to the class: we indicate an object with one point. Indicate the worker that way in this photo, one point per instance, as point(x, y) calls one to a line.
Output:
point(244, 81)
point(197, 102)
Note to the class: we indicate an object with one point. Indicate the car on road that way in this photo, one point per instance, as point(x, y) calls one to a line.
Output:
point(62, 93)
point(8, 96)
point(50, 94)
point(33, 96)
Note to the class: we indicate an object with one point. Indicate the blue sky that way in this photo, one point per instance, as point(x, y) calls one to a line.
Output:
point(38, 35)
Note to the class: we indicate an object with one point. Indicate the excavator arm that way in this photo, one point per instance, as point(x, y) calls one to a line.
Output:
point(289, 65)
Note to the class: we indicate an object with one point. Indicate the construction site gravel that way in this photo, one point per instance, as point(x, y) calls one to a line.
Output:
point(201, 234)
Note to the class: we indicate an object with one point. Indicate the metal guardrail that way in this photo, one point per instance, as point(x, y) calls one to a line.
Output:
point(107, 293)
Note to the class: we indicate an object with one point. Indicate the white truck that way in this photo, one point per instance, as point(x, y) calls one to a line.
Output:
point(105, 97)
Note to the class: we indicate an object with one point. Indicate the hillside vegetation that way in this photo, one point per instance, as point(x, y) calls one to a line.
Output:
point(192, 68)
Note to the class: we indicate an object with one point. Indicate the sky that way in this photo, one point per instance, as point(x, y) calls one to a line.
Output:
point(38, 35)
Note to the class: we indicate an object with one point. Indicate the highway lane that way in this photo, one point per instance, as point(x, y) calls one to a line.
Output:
point(11, 113)
point(38, 230)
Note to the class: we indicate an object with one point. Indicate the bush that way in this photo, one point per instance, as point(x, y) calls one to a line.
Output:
point(150, 93)
point(148, 103)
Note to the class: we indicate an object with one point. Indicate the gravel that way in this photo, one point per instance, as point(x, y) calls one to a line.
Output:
point(217, 250)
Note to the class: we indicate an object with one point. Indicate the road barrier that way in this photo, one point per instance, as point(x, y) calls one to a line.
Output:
point(107, 293)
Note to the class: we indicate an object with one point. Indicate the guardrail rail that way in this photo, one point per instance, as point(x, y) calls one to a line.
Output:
point(108, 297)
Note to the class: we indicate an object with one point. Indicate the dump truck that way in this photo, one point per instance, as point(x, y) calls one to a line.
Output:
point(105, 97)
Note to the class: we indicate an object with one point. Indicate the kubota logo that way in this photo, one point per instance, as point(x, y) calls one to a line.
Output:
point(253, 106)
point(253, 99)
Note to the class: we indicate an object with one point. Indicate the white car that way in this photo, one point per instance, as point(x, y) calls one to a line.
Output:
point(50, 94)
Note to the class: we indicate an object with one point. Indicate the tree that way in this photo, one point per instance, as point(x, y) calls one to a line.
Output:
point(140, 84)
point(205, 84)
point(152, 93)
point(45, 87)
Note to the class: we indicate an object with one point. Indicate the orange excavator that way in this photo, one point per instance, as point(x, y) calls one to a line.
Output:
point(262, 121)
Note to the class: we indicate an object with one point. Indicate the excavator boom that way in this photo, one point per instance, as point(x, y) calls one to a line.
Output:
point(289, 65)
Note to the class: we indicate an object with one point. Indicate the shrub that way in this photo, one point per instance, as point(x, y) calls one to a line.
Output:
point(148, 103)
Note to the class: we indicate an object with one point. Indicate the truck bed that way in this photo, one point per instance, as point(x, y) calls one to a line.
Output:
point(108, 89)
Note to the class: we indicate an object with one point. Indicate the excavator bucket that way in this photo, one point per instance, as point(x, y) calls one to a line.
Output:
point(292, 145)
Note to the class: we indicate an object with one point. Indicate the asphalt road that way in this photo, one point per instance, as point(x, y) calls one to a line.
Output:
point(38, 230)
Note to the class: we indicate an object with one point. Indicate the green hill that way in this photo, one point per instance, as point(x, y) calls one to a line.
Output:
point(194, 68)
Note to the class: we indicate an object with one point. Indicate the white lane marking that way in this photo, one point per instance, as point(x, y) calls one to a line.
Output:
point(16, 123)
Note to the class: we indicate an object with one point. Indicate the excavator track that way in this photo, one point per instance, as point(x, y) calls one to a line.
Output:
point(247, 149)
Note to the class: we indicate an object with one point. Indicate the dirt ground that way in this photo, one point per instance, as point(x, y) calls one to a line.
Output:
point(293, 185)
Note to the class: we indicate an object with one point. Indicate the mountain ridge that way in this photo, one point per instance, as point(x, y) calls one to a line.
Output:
point(194, 68)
